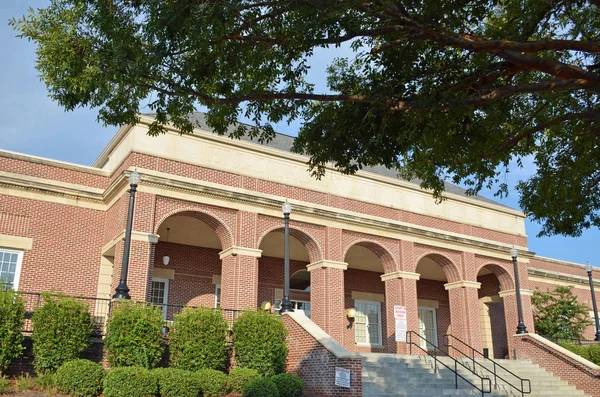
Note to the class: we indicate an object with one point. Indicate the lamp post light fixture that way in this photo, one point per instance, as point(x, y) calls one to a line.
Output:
point(521, 329)
point(122, 291)
point(588, 268)
point(286, 303)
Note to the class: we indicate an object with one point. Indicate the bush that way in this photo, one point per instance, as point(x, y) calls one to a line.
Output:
point(239, 378)
point(594, 353)
point(288, 385)
point(61, 332)
point(259, 342)
point(130, 382)
point(46, 381)
point(198, 340)
point(262, 387)
point(80, 378)
point(173, 382)
point(213, 383)
point(12, 313)
point(134, 335)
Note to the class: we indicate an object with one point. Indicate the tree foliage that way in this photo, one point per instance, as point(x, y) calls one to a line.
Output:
point(436, 89)
point(558, 314)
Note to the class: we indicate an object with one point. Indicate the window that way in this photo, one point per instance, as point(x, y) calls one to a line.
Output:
point(10, 267)
point(300, 306)
point(427, 327)
point(217, 295)
point(367, 324)
point(159, 294)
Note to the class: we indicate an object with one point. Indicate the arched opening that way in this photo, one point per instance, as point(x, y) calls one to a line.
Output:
point(491, 309)
point(192, 274)
point(271, 270)
point(365, 292)
point(433, 300)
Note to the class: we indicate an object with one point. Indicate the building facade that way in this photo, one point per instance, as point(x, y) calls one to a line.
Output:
point(212, 205)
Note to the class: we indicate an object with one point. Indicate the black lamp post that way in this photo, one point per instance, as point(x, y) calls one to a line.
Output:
point(588, 268)
point(122, 291)
point(286, 304)
point(521, 329)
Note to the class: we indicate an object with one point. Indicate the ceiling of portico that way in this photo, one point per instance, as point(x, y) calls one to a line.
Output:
point(272, 245)
point(430, 270)
point(189, 231)
point(363, 258)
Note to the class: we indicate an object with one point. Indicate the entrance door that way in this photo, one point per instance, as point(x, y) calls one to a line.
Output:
point(427, 327)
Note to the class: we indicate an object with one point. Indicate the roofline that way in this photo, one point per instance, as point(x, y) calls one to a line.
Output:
point(112, 144)
point(53, 163)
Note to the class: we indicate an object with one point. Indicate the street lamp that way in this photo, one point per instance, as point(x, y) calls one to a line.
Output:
point(521, 327)
point(286, 304)
point(588, 268)
point(122, 291)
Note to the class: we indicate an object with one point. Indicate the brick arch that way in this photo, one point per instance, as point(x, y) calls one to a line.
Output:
point(451, 270)
point(299, 232)
point(506, 280)
point(386, 258)
point(218, 225)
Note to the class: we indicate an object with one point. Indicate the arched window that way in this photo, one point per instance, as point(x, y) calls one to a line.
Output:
point(300, 280)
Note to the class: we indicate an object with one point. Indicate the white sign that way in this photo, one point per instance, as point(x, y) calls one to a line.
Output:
point(342, 377)
point(401, 324)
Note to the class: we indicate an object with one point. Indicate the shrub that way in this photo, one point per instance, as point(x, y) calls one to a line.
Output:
point(288, 385)
point(239, 378)
point(12, 313)
point(262, 387)
point(130, 382)
point(213, 383)
point(61, 332)
point(80, 378)
point(173, 382)
point(134, 335)
point(198, 340)
point(594, 353)
point(46, 381)
point(259, 342)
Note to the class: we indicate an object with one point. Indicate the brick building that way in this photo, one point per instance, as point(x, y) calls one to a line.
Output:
point(213, 206)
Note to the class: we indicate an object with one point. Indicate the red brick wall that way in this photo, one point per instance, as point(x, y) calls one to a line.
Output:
point(315, 364)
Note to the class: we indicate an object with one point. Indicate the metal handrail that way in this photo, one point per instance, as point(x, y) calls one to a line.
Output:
point(522, 381)
point(456, 363)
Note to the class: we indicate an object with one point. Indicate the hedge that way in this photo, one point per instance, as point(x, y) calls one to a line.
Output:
point(262, 387)
point(590, 352)
point(61, 331)
point(130, 382)
point(198, 339)
point(259, 342)
point(134, 335)
point(213, 383)
point(12, 313)
point(173, 382)
point(239, 378)
point(80, 378)
point(288, 385)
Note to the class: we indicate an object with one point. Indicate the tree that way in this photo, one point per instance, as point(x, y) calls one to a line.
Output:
point(436, 89)
point(558, 314)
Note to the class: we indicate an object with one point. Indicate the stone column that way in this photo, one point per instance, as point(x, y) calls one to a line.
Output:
point(509, 298)
point(239, 278)
point(400, 290)
point(327, 308)
point(464, 314)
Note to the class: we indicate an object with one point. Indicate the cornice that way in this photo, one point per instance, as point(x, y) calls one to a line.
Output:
point(557, 276)
point(53, 163)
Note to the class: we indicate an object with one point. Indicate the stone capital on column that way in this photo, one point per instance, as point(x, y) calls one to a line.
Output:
point(400, 275)
point(462, 284)
point(324, 264)
point(235, 251)
point(512, 292)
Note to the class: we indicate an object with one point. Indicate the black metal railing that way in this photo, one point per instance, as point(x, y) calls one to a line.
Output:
point(433, 351)
point(99, 309)
point(171, 310)
point(522, 385)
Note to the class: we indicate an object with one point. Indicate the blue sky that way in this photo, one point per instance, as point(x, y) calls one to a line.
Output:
point(32, 123)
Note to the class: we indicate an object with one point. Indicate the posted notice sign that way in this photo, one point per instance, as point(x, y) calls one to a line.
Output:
point(342, 377)
point(401, 325)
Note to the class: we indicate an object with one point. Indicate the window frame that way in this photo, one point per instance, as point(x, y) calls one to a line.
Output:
point(18, 265)
point(218, 296)
point(165, 295)
point(380, 323)
point(435, 333)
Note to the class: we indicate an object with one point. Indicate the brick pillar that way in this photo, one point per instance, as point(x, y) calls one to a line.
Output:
point(327, 308)
point(141, 264)
point(239, 278)
point(509, 298)
point(400, 290)
point(464, 313)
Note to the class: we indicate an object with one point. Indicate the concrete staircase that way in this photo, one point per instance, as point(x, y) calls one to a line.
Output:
point(404, 375)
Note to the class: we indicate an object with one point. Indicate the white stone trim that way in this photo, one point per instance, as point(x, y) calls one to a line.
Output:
point(462, 284)
point(135, 236)
point(323, 264)
point(428, 303)
point(160, 272)
point(16, 242)
point(51, 162)
point(235, 251)
point(561, 349)
point(400, 274)
point(367, 296)
point(511, 292)
point(216, 279)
